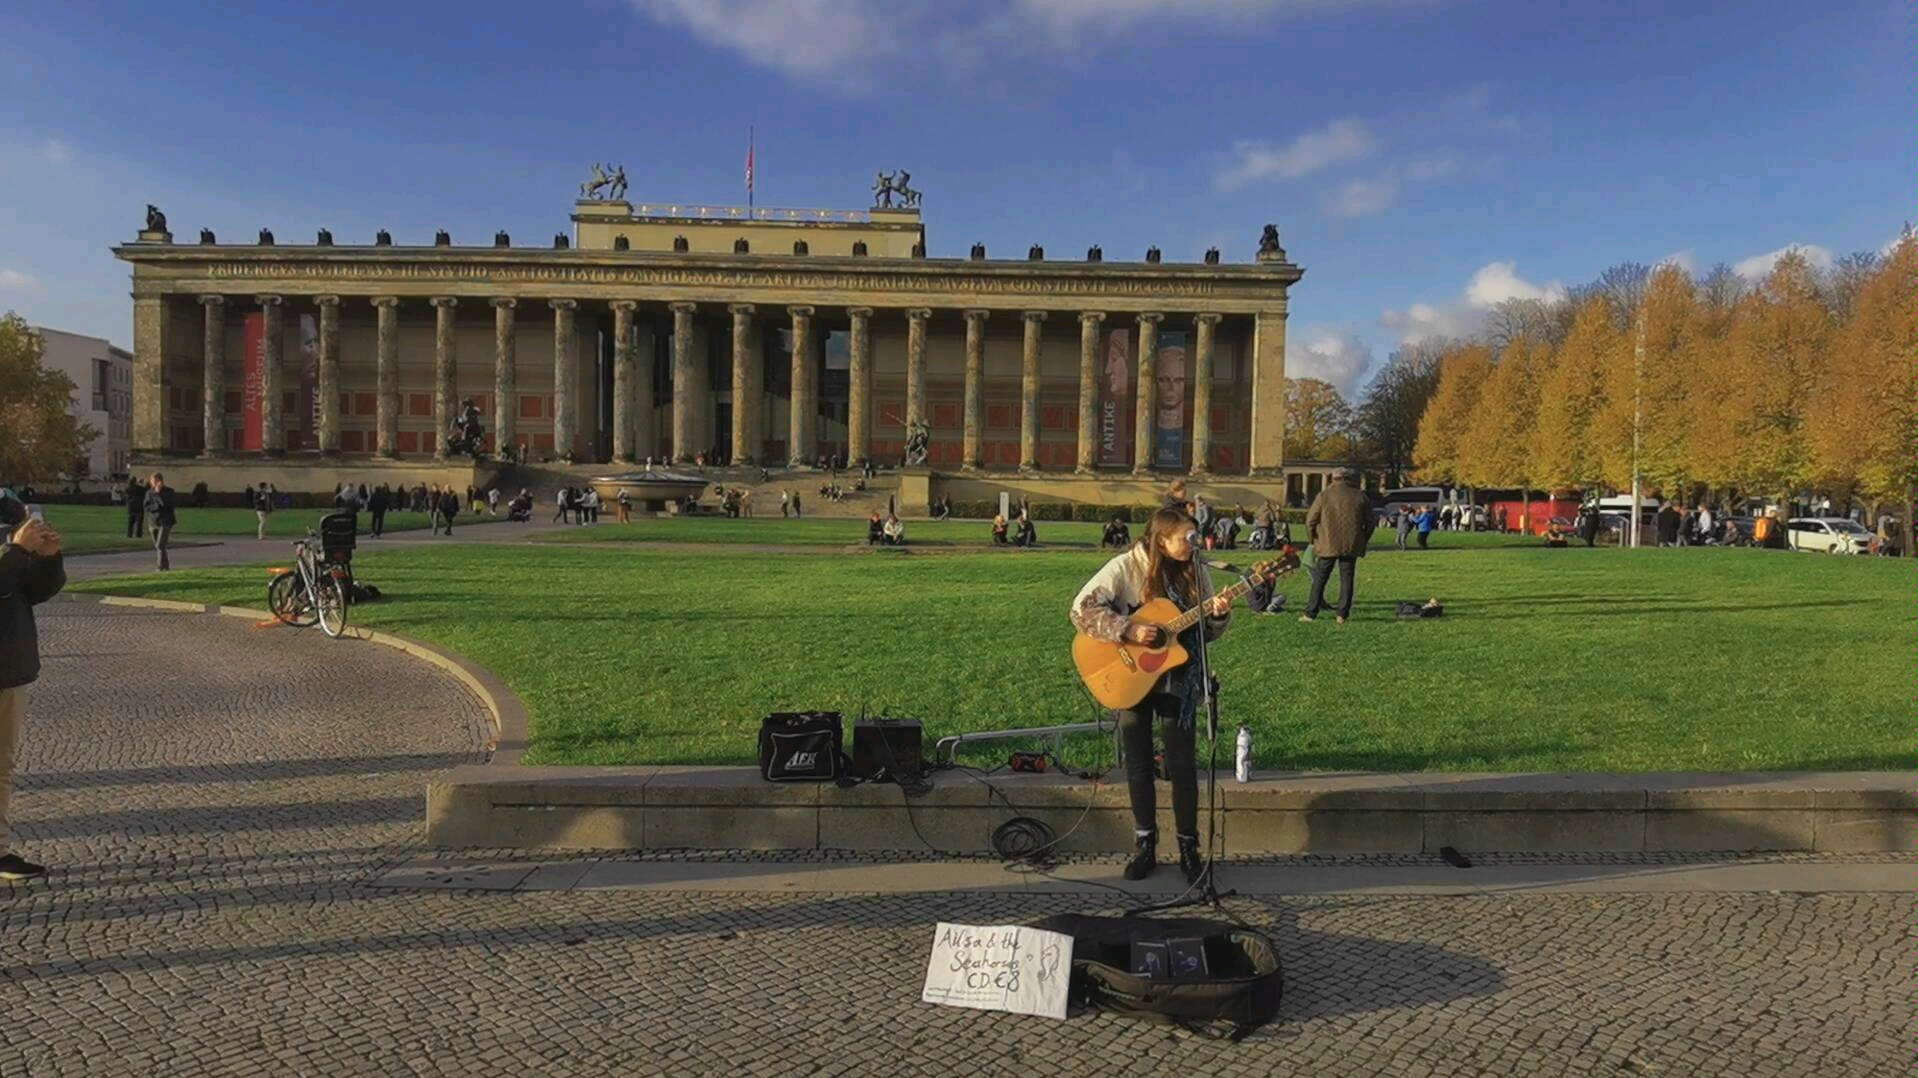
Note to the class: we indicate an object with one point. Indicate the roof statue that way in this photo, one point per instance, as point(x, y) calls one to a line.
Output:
point(888, 186)
point(607, 185)
point(156, 221)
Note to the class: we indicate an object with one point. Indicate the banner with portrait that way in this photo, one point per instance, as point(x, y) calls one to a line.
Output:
point(252, 369)
point(1115, 400)
point(308, 401)
point(1169, 368)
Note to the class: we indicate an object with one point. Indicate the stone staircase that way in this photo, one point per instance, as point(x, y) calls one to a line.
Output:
point(545, 480)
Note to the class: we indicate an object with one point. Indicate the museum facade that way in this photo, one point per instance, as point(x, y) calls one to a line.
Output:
point(716, 334)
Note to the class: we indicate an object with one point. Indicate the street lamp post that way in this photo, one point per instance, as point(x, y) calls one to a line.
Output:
point(1638, 365)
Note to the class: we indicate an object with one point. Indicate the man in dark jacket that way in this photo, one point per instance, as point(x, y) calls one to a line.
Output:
point(31, 572)
point(160, 516)
point(1339, 525)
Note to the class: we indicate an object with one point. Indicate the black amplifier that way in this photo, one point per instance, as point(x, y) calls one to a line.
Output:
point(884, 749)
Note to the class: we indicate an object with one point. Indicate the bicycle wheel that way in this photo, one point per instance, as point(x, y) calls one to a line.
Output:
point(331, 600)
point(288, 601)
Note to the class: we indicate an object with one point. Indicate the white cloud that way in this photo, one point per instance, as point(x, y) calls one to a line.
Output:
point(15, 281)
point(1684, 260)
point(1757, 267)
point(1329, 355)
point(55, 152)
point(1492, 284)
point(1892, 243)
point(849, 41)
point(1341, 141)
point(1363, 198)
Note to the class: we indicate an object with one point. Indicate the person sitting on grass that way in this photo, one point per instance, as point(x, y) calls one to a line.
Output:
point(874, 527)
point(999, 529)
point(894, 532)
point(520, 509)
point(1027, 535)
point(1116, 535)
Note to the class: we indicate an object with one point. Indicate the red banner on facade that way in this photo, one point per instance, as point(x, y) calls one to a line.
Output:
point(253, 353)
point(1115, 400)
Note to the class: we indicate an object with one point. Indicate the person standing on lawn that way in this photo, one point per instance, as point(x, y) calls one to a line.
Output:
point(1160, 565)
point(31, 572)
point(1339, 525)
point(262, 509)
point(159, 505)
point(136, 495)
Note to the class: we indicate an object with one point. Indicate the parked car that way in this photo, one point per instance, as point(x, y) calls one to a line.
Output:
point(1828, 535)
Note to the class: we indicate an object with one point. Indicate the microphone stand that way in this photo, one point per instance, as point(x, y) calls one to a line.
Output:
point(1204, 891)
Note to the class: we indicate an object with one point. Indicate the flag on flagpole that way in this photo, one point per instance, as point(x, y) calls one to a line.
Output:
point(749, 168)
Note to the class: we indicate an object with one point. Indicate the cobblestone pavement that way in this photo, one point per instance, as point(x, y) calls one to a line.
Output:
point(215, 799)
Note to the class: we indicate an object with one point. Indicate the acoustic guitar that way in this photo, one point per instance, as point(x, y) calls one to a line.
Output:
point(1119, 675)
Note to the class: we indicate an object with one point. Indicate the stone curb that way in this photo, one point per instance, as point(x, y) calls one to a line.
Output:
point(509, 714)
point(139, 549)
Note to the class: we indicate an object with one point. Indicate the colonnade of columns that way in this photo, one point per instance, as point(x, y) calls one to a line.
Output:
point(632, 404)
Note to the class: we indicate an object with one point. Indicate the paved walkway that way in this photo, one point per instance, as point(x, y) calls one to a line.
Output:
point(246, 550)
point(231, 823)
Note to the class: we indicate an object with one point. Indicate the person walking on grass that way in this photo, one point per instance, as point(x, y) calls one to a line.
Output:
point(136, 495)
point(1339, 525)
point(1426, 520)
point(31, 572)
point(376, 504)
point(625, 506)
point(1402, 524)
point(160, 517)
point(262, 508)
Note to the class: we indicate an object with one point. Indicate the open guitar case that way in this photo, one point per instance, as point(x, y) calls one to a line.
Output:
point(1235, 990)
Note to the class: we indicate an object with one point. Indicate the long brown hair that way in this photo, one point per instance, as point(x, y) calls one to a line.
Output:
point(1161, 571)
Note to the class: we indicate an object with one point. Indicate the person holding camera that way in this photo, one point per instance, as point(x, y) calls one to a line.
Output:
point(1162, 564)
point(31, 572)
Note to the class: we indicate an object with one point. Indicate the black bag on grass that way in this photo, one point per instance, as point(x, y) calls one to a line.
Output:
point(1219, 979)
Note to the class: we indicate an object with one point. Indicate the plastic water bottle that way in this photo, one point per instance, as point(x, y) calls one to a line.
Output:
point(1243, 772)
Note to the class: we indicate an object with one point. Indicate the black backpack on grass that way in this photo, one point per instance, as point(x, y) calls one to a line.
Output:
point(1210, 977)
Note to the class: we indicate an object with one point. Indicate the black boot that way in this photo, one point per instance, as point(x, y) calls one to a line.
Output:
point(1146, 859)
point(1190, 862)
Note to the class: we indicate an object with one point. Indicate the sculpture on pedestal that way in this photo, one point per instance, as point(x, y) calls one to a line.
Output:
point(156, 221)
point(917, 438)
point(886, 187)
point(1269, 243)
point(608, 184)
point(467, 435)
point(206, 236)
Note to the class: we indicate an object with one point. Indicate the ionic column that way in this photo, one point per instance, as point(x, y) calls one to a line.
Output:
point(975, 388)
point(1029, 393)
point(1268, 393)
point(803, 445)
point(329, 387)
point(683, 432)
point(747, 374)
point(916, 367)
point(1090, 323)
point(645, 410)
point(213, 378)
point(387, 357)
point(859, 389)
point(1202, 394)
point(565, 372)
point(272, 418)
point(623, 428)
point(1146, 415)
point(505, 376)
point(445, 370)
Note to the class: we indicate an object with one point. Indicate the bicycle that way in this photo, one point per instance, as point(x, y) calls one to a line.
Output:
point(311, 592)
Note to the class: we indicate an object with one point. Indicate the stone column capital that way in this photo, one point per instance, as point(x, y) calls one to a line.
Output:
point(978, 315)
point(740, 310)
point(268, 301)
point(919, 314)
point(213, 301)
point(685, 308)
point(1034, 316)
point(859, 312)
point(1208, 319)
point(444, 301)
point(326, 301)
point(563, 304)
point(625, 306)
point(800, 312)
point(504, 303)
point(1152, 318)
point(386, 302)
point(1092, 318)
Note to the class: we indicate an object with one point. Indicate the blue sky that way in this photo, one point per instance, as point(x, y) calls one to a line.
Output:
point(1421, 158)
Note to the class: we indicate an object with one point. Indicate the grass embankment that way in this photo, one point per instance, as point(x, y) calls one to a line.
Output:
point(88, 528)
point(1547, 660)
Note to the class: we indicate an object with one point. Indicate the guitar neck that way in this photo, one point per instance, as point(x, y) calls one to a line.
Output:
point(1191, 617)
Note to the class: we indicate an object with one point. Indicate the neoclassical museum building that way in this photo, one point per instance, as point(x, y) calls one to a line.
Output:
point(712, 334)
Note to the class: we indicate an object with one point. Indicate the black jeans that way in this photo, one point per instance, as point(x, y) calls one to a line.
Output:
point(1135, 737)
point(1321, 573)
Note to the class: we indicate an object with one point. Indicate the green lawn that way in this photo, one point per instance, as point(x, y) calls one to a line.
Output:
point(85, 528)
point(1547, 660)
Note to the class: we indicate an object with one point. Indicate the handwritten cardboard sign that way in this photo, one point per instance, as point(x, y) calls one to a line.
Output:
point(999, 968)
